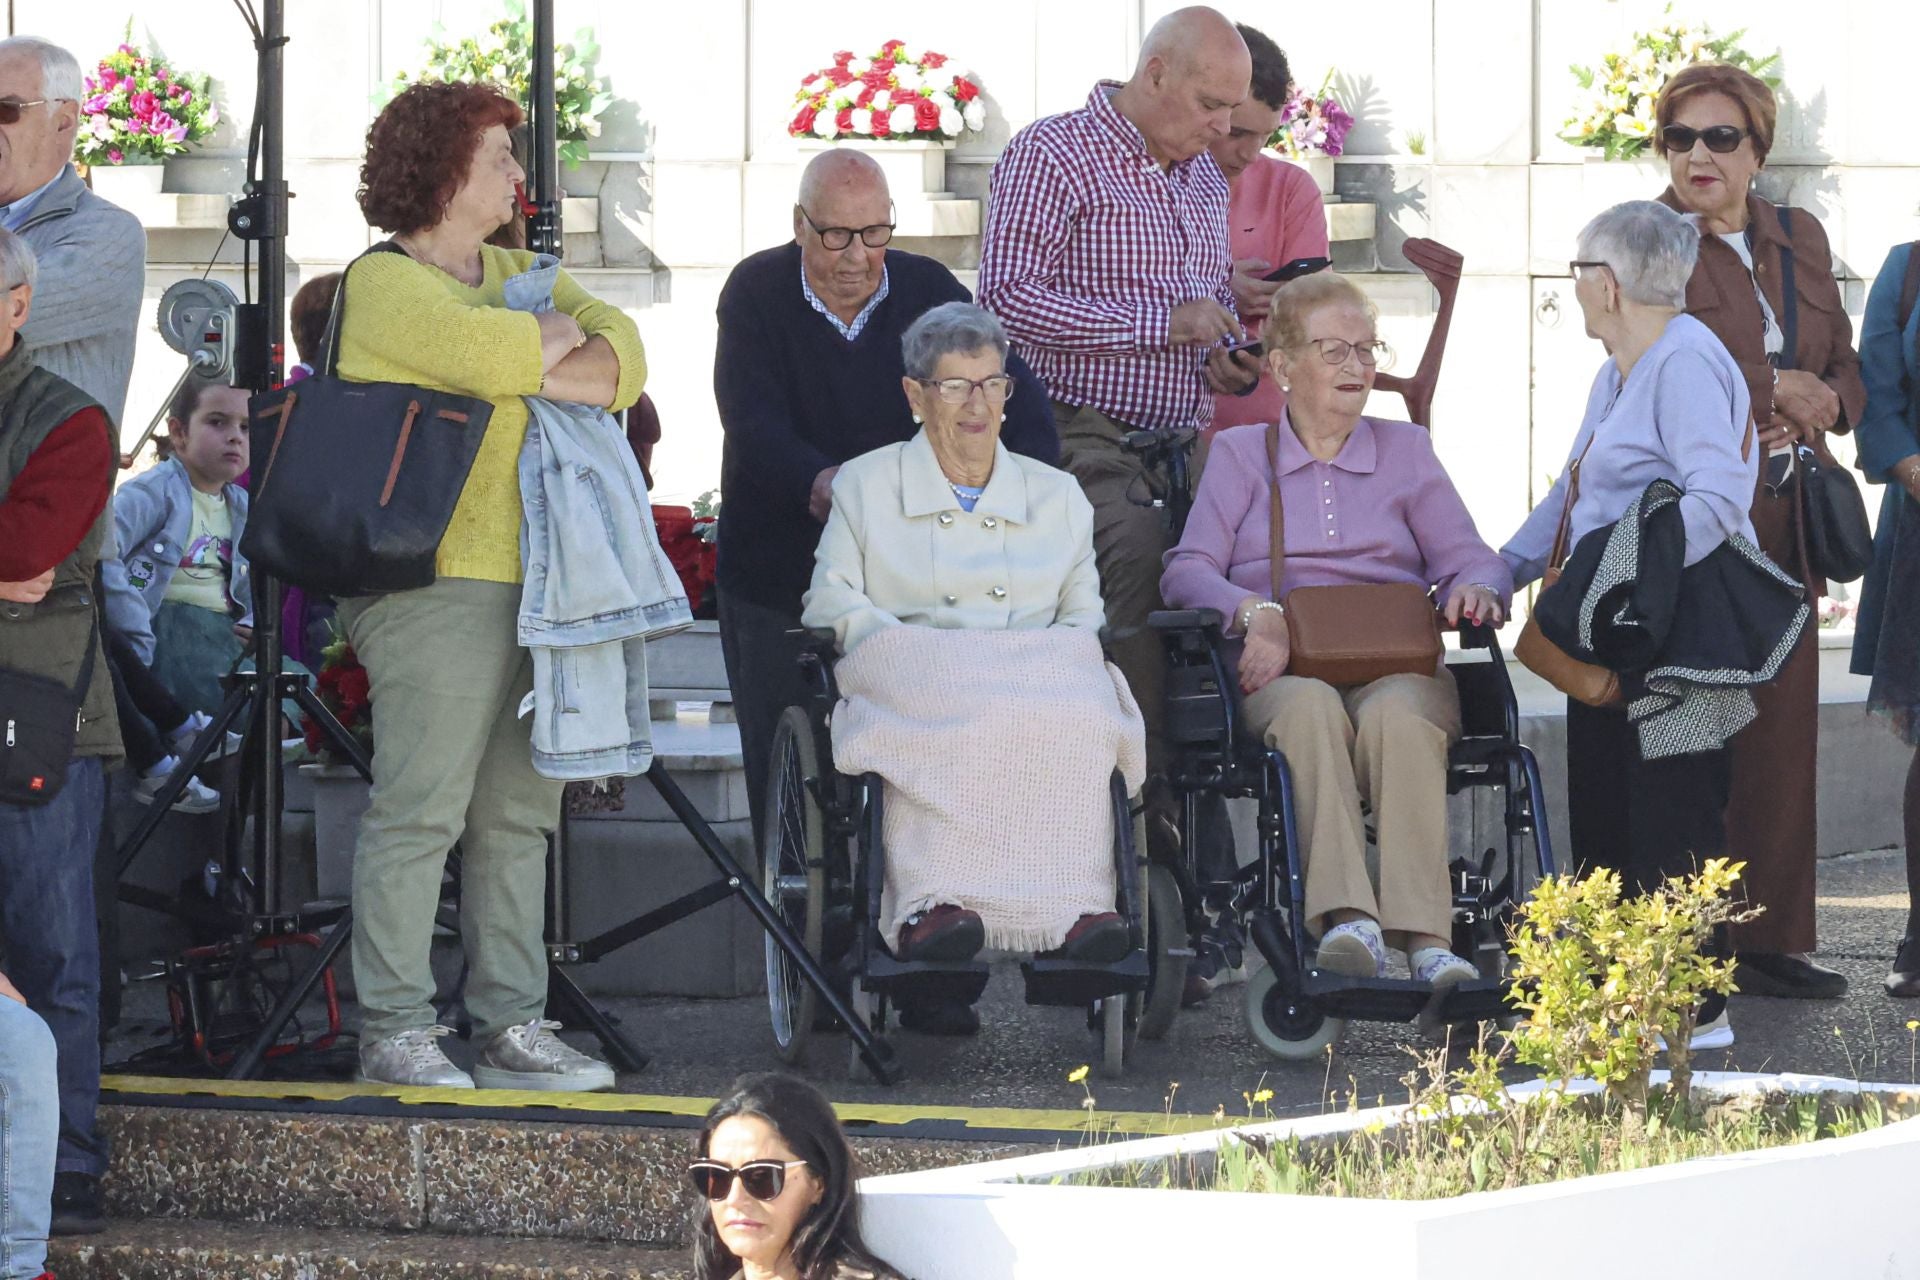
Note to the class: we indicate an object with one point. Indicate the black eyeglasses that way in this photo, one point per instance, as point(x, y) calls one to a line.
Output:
point(996, 387)
point(763, 1179)
point(1574, 267)
point(1720, 138)
point(837, 238)
point(10, 108)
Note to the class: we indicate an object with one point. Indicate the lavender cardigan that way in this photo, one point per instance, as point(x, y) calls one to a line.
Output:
point(1382, 511)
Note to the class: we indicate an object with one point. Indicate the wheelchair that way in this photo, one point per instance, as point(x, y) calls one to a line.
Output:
point(1294, 1010)
point(823, 859)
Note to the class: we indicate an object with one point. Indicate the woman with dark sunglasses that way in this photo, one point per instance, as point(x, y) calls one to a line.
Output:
point(778, 1179)
point(1715, 126)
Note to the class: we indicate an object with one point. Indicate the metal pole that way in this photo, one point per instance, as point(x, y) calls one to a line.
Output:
point(267, 592)
point(543, 227)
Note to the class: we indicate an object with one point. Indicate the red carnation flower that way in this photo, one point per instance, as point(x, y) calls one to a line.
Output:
point(843, 120)
point(803, 120)
point(891, 45)
point(965, 89)
point(880, 126)
point(840, 77)
point(926, 115)
point(933, 60)
point(842, 58)
point(355, 686)
point(879, 78)
point(864, 97)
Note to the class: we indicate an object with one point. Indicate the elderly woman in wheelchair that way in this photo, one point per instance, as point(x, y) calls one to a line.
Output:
point(1361, 502)
point(959, 584)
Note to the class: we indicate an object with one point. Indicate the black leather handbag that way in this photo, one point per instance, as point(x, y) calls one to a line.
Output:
point(358, 479)
point(1839, 539)
point(39, 722)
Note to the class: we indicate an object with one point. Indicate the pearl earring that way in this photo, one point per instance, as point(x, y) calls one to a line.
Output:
point(916, 418)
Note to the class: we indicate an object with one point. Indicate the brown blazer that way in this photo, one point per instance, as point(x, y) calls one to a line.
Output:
point(1720, 296)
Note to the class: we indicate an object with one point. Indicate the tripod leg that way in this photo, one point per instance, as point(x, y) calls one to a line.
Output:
point(875, 1052)
point(246, 1064)
point(567, 1002)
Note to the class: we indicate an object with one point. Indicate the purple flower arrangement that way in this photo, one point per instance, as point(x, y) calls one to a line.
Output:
point(1312, 124)
point(140, 111)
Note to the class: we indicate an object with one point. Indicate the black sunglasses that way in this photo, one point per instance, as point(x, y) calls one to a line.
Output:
point(763, 1179)
point(1720, 138)
point(10, 108)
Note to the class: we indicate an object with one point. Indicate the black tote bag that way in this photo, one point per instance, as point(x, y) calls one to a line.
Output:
point(1839, 539)
point(357, 480)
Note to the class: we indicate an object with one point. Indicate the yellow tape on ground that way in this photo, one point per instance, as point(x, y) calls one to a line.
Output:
point(857, 1114)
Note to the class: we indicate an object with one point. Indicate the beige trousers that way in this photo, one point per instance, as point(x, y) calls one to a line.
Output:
point(1384, 744)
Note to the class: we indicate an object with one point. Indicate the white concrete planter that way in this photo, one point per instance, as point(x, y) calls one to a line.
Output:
point(340, 798)
point(1605, 183)
point(125, 184)
point(688, 665)
point(1840, 1207)
point(1321, 167)
point(913, 168)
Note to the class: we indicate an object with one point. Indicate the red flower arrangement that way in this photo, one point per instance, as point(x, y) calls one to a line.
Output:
point(687, 537)
point(893, 94)
point(344, 689)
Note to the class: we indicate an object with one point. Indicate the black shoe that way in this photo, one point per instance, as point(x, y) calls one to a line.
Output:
point(1788, 977)
point(1903, 982)
point(76, 1205)
point(940, 1018)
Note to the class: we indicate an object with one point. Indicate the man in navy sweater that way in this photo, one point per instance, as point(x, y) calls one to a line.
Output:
point(807, 376)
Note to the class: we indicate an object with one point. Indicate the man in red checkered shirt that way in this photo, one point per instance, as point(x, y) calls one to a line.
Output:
point(1106, 257)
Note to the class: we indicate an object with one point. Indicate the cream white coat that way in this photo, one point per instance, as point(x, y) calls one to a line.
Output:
point(898, 549)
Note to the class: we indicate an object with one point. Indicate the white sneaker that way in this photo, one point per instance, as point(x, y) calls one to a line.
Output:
point(1442, 970)
point(1717, 1034)
point(412, 1058)
point(181, 740)
point(196, 797)
point(532, 1057)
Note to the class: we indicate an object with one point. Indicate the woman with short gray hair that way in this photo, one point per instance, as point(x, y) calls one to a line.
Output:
point(951, 532)
point(1669, 404)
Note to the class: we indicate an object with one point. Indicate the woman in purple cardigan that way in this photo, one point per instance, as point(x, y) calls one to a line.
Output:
point(1365, 501)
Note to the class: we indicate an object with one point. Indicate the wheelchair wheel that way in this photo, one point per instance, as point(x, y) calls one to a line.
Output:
point(1166, 932)
point(793, 867)
point(1117, 1034)
point(1286, 1025)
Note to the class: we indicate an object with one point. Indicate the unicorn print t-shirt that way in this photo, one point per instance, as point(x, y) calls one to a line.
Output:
point(207, 563)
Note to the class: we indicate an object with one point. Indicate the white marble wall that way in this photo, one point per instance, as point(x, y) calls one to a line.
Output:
point(695, 170)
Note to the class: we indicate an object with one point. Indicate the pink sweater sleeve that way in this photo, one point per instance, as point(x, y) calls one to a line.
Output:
point(1196, 575)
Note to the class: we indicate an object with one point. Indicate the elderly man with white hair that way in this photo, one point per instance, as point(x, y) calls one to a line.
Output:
point(1653, 504)
point(92, 253)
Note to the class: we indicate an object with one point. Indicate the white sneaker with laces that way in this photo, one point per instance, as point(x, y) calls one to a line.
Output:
point(1717, 1034)
point(412, 1058)
point(533, 1057)
point(181, 740)
point(197, 797)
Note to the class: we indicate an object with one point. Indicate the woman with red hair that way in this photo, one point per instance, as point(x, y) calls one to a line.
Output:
point(452, 758)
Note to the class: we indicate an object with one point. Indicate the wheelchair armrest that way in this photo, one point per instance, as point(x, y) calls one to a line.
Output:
point(1185, 619)
point(1477, 635)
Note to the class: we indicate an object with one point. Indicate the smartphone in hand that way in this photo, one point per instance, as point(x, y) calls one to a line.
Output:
point(1297, 268)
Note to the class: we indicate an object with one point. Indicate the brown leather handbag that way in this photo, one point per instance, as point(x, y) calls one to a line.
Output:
point(1582, 681)
point(1352, 634)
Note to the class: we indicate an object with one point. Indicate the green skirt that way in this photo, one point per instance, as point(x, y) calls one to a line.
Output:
point(193, 648)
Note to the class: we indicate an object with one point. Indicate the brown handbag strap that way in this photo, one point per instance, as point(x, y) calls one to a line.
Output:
point(1276, 517)
point(1558, 555)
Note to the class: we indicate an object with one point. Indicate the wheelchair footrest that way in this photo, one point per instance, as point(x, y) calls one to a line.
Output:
point(1481, 1000)
point(1075, 982)
point(1366, 999)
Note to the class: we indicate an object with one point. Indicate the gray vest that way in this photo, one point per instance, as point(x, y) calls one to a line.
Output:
point(49, 639)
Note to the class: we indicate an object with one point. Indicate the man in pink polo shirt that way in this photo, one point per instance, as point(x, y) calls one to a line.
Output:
point(1274, 216)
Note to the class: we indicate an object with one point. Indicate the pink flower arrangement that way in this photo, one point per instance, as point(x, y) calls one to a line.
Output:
point(140, 111)
point(1312, 124)
point(893, 94)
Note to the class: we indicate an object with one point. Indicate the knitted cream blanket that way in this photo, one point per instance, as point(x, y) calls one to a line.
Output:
point(997, 748)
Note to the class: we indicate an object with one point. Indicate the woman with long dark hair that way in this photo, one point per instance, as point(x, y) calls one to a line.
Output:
point(778, 1179)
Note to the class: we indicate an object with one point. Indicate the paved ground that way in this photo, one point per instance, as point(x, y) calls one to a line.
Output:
point(1022, 1056)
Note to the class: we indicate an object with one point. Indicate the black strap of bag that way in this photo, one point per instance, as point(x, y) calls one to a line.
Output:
point(1839, 539)
point(39, 724)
